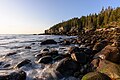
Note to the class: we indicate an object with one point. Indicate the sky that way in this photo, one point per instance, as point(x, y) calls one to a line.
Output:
point(35, 16)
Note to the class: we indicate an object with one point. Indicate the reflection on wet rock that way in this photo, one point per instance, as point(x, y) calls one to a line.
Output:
point(22, 63)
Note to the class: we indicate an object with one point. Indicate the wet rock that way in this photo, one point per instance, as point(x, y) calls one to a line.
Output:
point(74, 49)
point(38, 56)
point(22, 63)
point(99, 46)
point(49, 74)
point(85, 69)
point(12, 75)
point(45, 50)
point(66, 42)
point(95, 76)
point(51, 52)
point(6, 65)
point(67, 55)
point(110, 69)
point(49, 41)
point(67, 67)
point(10, 54)
point(45, 59)
point(110, 53)
point(54, 53)
point(88, 51)
point(59, 57)
point(79, 57)
point(27, 47)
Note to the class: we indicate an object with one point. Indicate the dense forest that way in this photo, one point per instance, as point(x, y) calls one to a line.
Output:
point(109, 17)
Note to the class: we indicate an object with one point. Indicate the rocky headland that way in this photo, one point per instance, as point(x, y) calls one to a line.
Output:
point(94, 54)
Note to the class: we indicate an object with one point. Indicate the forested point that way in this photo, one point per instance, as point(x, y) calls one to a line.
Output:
point(107, 18)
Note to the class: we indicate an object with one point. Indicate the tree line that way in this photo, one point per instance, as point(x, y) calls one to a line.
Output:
point(108, 17)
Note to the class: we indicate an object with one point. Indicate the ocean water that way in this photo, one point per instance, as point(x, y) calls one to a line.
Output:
point(17, 43)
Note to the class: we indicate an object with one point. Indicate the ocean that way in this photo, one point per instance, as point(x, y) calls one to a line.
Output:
point(17, 43)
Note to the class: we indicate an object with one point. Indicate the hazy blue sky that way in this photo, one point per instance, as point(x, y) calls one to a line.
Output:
point(34, 16)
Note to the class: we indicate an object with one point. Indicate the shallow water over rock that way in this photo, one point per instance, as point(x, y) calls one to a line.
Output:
point(14, 46)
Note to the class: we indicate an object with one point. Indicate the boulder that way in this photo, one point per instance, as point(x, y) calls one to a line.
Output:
point(87, 51)
point(95, 76)
point(110, 69)
point(49, 41)
point(54, 53)
point(110, 53)
point(12, 75)
point(38, 56)
point(79, 57)
point(22, 63)
point(74, 49)
point(85, 69)
point(67, 67)
point(99, 46)
point(59, 57)
point(45, 50)
point(45, 59)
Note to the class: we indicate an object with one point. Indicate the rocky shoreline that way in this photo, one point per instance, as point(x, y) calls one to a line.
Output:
point(95, 55)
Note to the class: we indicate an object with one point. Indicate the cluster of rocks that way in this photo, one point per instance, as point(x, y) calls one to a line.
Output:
point(97, 57)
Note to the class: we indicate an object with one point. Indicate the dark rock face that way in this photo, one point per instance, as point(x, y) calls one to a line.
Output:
point(99, 46)
point(85, 69)
point(45, 50)
point(45, 59)
point(59, 57)
point(27, 47)
point(67, 67)
point(95, 76)
point(38, 56)
point(74, 49)
point(22, 63)
point(14, 75)
point(49, 41)
point(79, 57)
point(6, 65)
point(52, 53)
point(10, 54)
point(87, 51)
